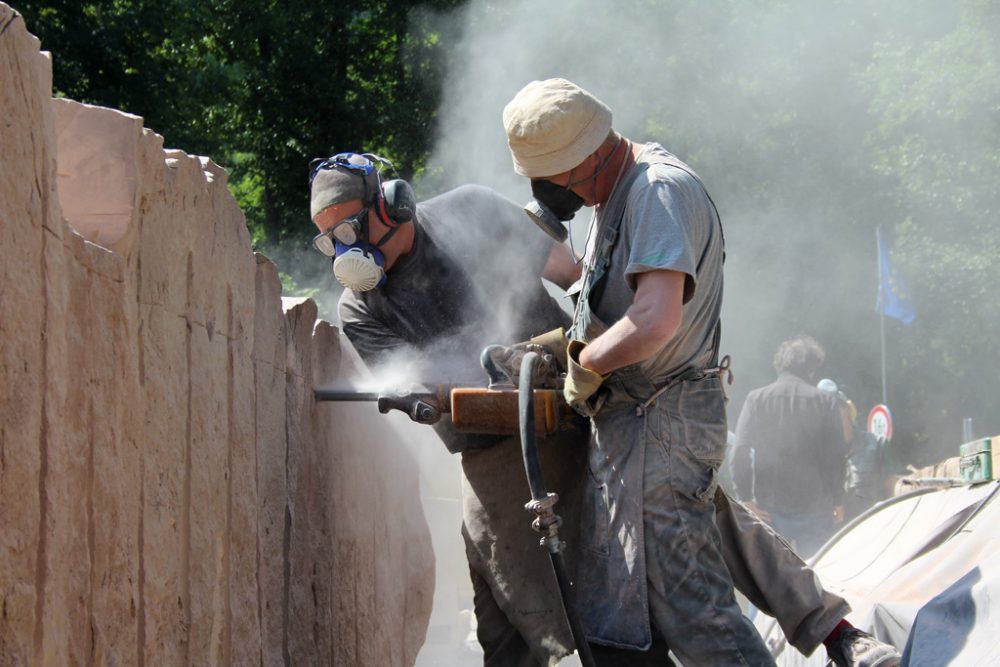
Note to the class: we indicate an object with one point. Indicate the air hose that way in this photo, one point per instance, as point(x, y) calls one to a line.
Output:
point(542, 502)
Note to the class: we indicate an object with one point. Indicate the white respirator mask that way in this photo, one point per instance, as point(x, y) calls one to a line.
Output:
point(358, 264)
point(358, 270)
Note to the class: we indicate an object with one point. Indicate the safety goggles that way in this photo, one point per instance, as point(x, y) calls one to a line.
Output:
point(347, 232)
point(352, 162)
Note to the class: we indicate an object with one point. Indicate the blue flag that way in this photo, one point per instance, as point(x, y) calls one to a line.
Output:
point(893, 299)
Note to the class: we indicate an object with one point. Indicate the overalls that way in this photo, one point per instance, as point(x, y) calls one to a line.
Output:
point(649, 496)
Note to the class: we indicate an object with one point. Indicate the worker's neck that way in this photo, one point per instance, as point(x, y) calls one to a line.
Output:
point(399, 245)
point(621, 159)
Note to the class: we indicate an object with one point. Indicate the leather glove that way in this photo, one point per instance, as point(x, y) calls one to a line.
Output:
point(581, 383)
point(556, 341)
point(507, 360)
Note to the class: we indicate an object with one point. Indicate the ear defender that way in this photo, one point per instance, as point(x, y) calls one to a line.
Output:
point(398, 201)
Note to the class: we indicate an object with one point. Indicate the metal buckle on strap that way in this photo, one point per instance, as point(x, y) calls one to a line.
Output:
point(640, 409)
point(724, 367)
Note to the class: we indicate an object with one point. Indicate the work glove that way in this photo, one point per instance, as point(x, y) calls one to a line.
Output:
point(581, 383)
point(555, 341)
point(551, 344)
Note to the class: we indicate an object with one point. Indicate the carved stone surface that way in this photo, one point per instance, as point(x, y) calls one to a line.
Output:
point(170, 493)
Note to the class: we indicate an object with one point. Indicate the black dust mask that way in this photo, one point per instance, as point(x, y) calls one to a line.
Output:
point(560, 200)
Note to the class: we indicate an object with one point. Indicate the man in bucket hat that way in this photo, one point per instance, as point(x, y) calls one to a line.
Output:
point(644, 365)
point(462, 271)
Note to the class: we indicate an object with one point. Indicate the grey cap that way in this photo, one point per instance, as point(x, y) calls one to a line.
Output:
point(335, 185)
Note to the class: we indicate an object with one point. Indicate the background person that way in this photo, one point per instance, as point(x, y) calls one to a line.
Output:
point(790, 457)
point(864, 484)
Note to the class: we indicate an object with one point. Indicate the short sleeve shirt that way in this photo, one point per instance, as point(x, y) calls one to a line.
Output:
point(669, 223)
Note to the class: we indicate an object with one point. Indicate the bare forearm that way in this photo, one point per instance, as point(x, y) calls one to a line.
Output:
point(562, 268)
point(628, 341)
point(648, 324)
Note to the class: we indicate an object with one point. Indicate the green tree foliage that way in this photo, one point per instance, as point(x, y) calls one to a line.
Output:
point(936, 106)
point(813, 121)
point(892, 122)
point(262, 86)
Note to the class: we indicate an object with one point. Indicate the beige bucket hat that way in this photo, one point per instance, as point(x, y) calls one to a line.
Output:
point(552, 126)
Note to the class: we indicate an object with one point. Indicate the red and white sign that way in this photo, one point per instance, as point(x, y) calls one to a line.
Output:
point(880, 422)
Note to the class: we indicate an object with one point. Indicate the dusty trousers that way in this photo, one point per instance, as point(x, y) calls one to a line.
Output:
point(690, 588)
point(517, 601)
point(518, 604)
point(769, 573)
point(774, 578)
point(651, 557)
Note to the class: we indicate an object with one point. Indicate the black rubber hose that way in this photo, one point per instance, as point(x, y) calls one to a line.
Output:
point(496, 376)
point(536, 483)
point(526, 411)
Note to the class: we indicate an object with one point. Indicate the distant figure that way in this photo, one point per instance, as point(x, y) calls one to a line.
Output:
point(791, 449)
point(866, 467)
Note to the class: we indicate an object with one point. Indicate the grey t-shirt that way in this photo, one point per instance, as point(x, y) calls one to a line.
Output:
point(472, 279)
point(669, 223)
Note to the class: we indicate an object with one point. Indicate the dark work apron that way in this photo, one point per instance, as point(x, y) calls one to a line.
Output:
point(627, 412)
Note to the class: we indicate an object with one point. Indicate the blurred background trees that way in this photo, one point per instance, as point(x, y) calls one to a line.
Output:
point(261, 86)
point(813, 122)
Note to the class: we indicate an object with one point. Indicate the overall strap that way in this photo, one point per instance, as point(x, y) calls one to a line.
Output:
point(609, 222)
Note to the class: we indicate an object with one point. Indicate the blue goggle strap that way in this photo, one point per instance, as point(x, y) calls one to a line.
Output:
point(363, 167)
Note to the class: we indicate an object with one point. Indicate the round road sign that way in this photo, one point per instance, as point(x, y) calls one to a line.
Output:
point(880, 422)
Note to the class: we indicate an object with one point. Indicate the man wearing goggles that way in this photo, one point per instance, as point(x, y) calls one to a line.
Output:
point(455, 286)
point(363, 222)
point(346, 232)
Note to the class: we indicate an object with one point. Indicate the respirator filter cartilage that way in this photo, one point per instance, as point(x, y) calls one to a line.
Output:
point(359, 271)
point(546, 220)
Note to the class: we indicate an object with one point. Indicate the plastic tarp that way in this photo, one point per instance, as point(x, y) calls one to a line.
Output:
point(920, 572)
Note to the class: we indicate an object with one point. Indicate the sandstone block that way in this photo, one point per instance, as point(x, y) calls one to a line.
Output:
point(24, 208)
point(170, 491)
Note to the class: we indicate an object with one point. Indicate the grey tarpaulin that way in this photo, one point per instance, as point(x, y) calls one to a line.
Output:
point(919, 572)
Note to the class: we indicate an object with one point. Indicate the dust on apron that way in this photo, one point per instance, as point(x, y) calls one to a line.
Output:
point(629, 413)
